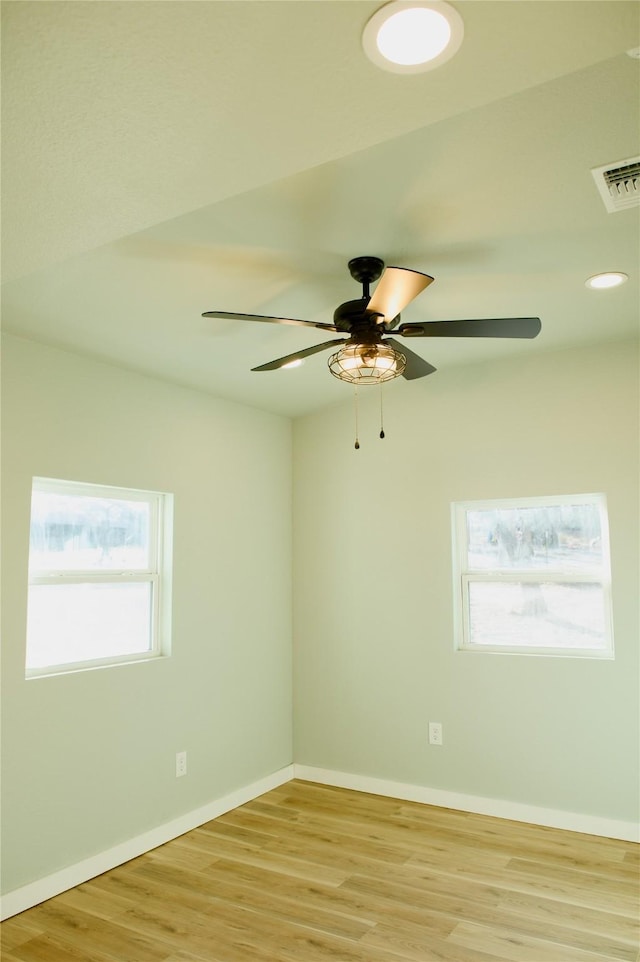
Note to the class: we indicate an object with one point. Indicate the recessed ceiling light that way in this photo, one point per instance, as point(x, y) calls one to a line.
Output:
point(600, 282)
point(297, 363)
point(410, 36)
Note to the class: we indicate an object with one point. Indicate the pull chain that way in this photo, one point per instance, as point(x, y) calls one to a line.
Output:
point(381, 414)
point(355, 389)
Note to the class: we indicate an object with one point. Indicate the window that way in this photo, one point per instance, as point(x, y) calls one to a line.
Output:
point(99, 576)
point(533, 576)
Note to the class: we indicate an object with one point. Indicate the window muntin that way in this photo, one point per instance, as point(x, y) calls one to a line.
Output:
point(533, 576)
point(97, 573)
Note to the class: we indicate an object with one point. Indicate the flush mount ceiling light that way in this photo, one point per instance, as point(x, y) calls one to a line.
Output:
point(600, 282)
point(411, 36)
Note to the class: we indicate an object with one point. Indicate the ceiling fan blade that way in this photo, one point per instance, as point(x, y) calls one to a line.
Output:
point(396, 288)
point(416, 365)
point(485, 327)
point(298, 356)
point(231, 315)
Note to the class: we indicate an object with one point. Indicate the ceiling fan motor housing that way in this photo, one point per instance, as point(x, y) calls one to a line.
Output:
point(354, 318)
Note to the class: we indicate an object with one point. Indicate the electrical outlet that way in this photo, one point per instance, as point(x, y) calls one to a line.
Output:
point(181, 764)
point(435, 733)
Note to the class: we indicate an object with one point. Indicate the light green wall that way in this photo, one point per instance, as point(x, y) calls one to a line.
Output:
point(373, 646)
point(89, 758)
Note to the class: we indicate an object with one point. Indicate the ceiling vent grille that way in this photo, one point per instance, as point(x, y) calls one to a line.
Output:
point(619, 184)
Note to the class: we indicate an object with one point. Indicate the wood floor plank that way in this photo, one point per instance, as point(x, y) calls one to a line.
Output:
point(509, 828)
point(406, 840)
point(424, 893)
point(200, 892)
point(418, 946)
point(182, 854)
point(17, 930)
point(182, 957)
point(484, 828)
point(215, 844)
point(338, 901)
point(254, 835)
point(312, 873)
point(514, 947)
point(621, 870)
point(84, 932)
point(592, 922)
point(580, 929)
point(522, 844)
point(224, 847)
point(302, 804)
point(571, 892)
point(46, 948)
point(270, 809)
point(447, 829)
point(195, 918)
point(94, 901)
point(627, 885)
point(241, 934)
point(326, 794)
point(402, 834)
point(327, 837)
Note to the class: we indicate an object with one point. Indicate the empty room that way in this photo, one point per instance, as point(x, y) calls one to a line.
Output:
point(320, 481)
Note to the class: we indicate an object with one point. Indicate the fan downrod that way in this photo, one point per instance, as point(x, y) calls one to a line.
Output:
point(351, 317)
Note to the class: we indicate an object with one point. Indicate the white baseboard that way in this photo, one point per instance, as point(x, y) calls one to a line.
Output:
point(29, 895)
point(499, 808)
point(45, 888)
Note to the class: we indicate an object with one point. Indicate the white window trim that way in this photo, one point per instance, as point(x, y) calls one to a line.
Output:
point(462, 577)
point(158, 573)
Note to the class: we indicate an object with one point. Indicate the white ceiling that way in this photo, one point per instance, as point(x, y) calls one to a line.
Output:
point(161, 159)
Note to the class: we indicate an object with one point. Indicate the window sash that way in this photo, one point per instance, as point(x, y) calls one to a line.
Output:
point(151, 575)
point(155, 501)
point(601, 651)
point(464, 575)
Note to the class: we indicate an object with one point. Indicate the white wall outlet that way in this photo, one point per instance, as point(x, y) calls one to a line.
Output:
point(181, 764)
point(435, 733)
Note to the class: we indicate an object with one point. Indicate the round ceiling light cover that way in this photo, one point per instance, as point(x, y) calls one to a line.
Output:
point(411, 36)
point(601, 282)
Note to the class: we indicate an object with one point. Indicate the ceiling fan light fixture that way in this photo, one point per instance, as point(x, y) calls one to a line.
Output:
point(411, 36)
point(600, 282)
point(367, 363)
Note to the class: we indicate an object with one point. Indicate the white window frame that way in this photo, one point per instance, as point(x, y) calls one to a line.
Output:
point(157, 574)
point(463, 576)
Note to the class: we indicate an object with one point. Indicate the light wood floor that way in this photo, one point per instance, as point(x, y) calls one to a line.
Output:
point(308, 873)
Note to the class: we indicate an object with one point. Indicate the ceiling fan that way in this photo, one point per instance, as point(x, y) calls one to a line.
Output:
point(369, 355)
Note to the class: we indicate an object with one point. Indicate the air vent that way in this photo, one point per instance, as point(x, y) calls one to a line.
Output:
point(619, 184)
